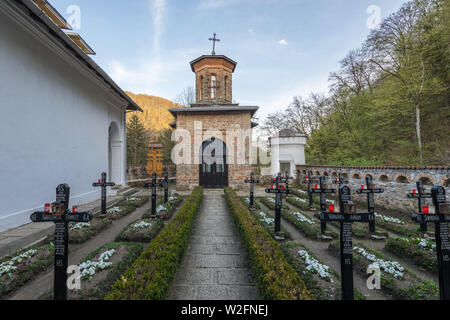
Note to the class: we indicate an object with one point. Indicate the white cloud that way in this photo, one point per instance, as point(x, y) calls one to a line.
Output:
point(212, 4)
point(283, 42)
point(158, 10)
point(251, 31)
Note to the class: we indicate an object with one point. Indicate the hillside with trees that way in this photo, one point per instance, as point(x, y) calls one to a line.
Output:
point(389, 102)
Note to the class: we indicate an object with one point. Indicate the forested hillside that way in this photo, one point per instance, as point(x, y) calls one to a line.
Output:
point(156, 116)
point(389, 102)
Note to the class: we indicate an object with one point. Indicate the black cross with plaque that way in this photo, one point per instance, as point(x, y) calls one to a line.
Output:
point(154, 184)
point(279, 190)
point(309, 181)
point(323, 191)
point(370, 191)
point(441, 220)
point(420, 195)
point(103, 184)
point(165, 181)
point(59, 213)
point(347, 216)
point(252, 182)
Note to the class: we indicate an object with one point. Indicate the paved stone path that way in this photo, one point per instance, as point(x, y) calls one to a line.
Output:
point(215, 266)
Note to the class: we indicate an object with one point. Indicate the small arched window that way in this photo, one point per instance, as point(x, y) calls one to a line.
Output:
point(213, 86)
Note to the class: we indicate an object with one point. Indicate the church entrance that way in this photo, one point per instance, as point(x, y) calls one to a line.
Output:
point(214, 168)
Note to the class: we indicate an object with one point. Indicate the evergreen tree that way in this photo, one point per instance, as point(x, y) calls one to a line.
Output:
point(137, 142)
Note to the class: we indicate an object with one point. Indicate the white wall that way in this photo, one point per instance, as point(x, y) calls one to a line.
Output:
point(285, 150)
point(54, 127)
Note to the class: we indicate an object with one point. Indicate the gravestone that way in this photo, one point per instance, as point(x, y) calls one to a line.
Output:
point(370, 191)
point(58, 212)
point(441, 220)
point(103, 184)
point(165, 181)
point(347, 216)
point(252, 182)
point(154, 184)
point(279, 190)
point(309, 180)
point(323, 191)
point(421, 195)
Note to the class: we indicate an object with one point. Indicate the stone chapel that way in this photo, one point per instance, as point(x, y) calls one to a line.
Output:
point(219, 131)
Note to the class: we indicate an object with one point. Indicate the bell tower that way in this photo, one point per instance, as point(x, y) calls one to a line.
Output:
point(214, 78)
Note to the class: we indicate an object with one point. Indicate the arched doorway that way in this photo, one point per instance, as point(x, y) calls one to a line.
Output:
point(114, 154)
point(214, 167)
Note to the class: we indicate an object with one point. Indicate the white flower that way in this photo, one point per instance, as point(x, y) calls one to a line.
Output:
point(264, 218)
point(133, 199)
point(10, 266)
point(389, 219)
point(300, 200)
point(114, 210)
point(271, 200)
point(80, 226)
point(141, 225)
point(315, 266)
point(392, 267)
point(161, 208)
point(302, 192)
point(302, 218)
point(89, 268)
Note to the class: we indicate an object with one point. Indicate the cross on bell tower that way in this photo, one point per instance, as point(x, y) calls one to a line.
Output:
point(214, 40)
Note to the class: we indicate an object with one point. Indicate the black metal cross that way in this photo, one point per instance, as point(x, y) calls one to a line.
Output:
point(59, 213)
point(279, 190)
point(252, 182)
point(165, 181)
point(441, 220)
point(323, 191)
point(420, 195)
point(347, 216)
point(370, 191)
point(103, 184)
point(309, 181)
point(154, 183)
point(214, 40)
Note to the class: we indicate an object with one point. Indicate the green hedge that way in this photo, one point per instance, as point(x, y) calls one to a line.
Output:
point(424, 258)
point(271, 205)
point(151, 276)
point(276, 278)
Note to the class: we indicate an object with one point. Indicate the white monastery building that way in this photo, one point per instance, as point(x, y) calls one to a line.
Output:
point(63, 120)
point(287, 151)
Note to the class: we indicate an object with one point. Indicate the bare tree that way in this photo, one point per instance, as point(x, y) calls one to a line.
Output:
point(186, 98)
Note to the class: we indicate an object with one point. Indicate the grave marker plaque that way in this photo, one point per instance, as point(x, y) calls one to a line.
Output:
point(252, 182)
point(61, 216)
point(103, 184)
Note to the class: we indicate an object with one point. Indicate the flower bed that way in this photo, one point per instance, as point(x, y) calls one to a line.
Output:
point(82, 232)
point(23, 266)
point(101, 268)
point(165, 211)
point(150, 276)
point(268, 222)
point(141, 231)
point(276, 279)
point(396, 281)
point(134, 201)
point(255, 203)
point(420, 250)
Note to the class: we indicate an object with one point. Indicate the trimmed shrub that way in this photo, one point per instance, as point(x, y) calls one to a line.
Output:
point(276, 278)
point(144, 234)
point(409, 249)
point(134, 201)
point(151, 276)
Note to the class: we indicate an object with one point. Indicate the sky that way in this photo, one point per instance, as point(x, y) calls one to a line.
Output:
point(284, 48)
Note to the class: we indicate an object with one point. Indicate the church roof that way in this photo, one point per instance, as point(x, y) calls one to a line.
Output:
point(234, 63)
point(215, 108)
point(28, 10)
